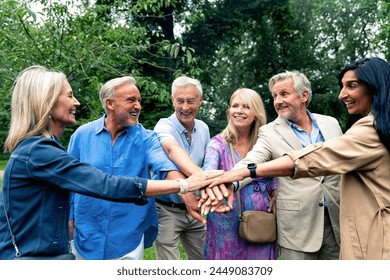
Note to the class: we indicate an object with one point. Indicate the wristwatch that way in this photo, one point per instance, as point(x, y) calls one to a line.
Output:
point(252, 169)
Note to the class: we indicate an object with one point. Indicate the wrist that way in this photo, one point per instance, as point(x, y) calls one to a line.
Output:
point(183, 186)
point(236, 185)
point(252, 170)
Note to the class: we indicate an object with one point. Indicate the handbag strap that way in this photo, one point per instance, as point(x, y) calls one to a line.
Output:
point(18, 254)
point(238, 192)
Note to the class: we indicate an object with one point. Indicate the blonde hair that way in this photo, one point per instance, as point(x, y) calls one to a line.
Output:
point(35, 92)
point(254, 102)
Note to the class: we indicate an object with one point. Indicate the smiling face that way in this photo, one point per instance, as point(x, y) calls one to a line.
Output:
point(186, 103)
point(125, 106)
point(63, 112)
point(240, 114)
point(287, 102)
point(355, 94)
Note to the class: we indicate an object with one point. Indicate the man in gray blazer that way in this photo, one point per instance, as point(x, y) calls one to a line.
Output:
point(307, 209)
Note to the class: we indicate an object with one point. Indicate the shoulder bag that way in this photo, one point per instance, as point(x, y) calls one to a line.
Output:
point(255, 226)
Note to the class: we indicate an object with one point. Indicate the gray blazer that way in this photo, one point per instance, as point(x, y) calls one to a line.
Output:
point(299, 206)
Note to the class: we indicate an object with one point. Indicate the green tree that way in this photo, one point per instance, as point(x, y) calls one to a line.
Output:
point(384, 19)
point(243, 43)
point(225, 43)
point(91, 44)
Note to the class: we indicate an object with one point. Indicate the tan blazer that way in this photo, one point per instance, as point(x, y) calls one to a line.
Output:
point(365, 187)
point(300, 203)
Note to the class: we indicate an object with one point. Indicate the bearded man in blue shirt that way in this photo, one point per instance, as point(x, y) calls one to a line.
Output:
point(119, 145)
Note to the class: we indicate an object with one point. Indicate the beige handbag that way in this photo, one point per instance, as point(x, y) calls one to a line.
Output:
point(255, 226)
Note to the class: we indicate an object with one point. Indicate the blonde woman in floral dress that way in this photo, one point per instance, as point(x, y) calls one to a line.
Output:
point(245, 115)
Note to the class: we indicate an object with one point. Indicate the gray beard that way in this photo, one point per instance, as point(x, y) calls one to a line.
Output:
point(285, 117)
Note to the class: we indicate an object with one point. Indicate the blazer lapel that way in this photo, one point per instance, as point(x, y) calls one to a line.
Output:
point(285, 131)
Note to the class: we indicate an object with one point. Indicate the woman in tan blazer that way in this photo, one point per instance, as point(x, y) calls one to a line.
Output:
point(361, 156)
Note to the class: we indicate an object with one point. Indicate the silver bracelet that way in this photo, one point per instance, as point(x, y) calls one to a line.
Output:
point(183, 186)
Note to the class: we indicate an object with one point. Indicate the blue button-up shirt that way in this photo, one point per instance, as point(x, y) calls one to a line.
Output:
point(304, 138)
point(171, 129)
point(104, 229)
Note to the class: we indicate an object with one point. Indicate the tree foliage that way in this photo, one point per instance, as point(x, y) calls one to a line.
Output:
point(244, 43)
point(91, 44)
point(226, 44)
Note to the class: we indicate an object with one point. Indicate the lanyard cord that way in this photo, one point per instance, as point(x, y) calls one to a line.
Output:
point(10, 230)
point(238, 192)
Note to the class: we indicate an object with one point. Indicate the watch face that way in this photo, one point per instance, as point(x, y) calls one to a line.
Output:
point(251, 165)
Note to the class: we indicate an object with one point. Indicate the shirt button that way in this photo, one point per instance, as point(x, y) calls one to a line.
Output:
point(321, 204)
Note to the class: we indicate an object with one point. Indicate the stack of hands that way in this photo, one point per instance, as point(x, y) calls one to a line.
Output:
point(218, 196)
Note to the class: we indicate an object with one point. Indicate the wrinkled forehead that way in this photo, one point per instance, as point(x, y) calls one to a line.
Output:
point(283, 85)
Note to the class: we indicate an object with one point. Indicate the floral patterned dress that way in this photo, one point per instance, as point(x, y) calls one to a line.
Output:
point(222, 239)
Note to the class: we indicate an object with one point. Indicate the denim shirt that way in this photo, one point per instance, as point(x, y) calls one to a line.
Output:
point(105, 229)
point(36, 184)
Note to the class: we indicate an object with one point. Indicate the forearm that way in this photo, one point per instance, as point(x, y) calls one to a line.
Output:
point(180, 157)
point(280, 167)
point(161, 187)
point(173, 175)
point(184, 162)
point(192, 183)
point(187, 198)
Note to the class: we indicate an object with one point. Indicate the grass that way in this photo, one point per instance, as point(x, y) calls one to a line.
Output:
point(150, 253)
